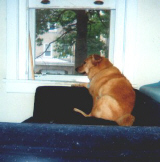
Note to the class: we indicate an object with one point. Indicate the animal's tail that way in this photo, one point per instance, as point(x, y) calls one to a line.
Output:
point(126, 120)
point(81, 112)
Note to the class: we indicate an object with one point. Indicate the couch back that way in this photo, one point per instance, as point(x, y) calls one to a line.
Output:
point(55, 104)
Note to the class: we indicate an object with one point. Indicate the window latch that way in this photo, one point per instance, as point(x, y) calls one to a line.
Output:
point(45, 2)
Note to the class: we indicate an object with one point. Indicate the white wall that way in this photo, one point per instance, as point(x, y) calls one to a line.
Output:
point(14, 107)
point(147, 65)
point(143, 63)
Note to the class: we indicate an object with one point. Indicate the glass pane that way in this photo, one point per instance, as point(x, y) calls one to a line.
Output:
point(68, 37)
point(47, 53)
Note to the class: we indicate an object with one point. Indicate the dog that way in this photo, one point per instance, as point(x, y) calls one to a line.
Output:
point(113, 95)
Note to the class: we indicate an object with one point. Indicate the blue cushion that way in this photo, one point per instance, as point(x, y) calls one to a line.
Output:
point(60, 142)
point(152, 90)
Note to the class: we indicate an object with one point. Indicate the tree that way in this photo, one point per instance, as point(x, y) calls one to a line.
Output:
point(82, 28)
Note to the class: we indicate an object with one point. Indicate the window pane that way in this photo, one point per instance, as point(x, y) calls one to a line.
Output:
point(68, 37)
point(47, 53)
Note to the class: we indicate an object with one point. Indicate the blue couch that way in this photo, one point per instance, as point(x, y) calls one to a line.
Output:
point(56, 133)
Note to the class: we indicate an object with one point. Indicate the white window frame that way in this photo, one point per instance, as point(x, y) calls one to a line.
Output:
point(17, 78)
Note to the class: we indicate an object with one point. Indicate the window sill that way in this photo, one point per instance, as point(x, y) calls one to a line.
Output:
point(29, 86)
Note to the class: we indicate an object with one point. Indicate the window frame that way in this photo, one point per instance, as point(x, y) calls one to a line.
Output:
point(18, 17)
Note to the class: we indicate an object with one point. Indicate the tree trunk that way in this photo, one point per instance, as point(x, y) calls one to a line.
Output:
point(81, 40)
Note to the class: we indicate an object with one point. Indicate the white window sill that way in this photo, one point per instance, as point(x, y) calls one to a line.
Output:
point(29, 86)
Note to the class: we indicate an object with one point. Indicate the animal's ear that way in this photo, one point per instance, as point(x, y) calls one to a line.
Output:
point(96, 59)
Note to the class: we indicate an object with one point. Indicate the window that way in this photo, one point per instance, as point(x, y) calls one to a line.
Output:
point(79, 33)
point(21, 18)
point(47, 49)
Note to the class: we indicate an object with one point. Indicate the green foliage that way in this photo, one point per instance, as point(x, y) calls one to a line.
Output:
point(39, 41)
point(42, 19)
point(98, 27)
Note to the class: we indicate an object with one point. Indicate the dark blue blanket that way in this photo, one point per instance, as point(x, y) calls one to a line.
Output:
point(60, 142)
